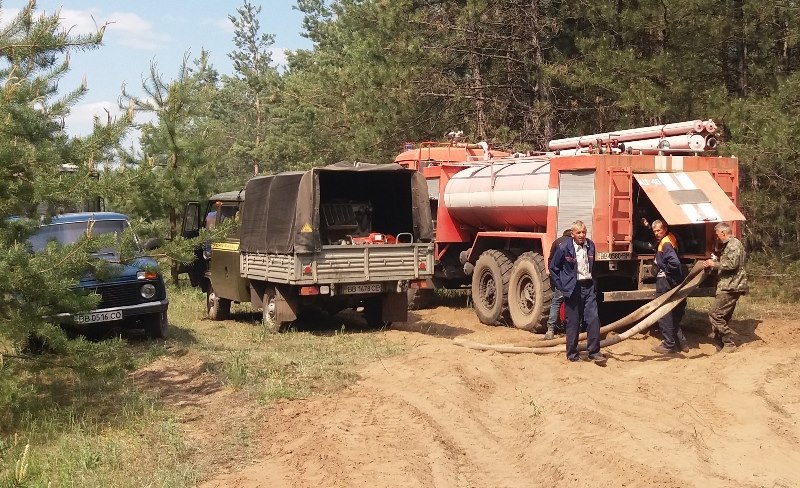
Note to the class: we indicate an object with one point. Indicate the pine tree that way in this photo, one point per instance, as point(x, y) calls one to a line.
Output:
point(256, 81)
point(176, 166)
point(34, 153)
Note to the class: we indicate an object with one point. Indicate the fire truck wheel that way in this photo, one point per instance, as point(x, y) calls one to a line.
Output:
point(529, 293)
point(217, 308)
point(490, 285)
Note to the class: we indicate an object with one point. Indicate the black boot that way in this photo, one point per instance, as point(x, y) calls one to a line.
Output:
point(718, 344)
point(727, 343)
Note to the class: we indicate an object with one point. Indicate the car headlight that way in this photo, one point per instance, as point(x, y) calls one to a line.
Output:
point(148, 291)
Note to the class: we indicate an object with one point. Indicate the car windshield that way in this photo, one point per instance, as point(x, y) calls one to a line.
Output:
point(71, 232)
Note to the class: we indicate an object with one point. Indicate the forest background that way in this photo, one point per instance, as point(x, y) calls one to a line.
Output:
point(514, 73)
point(380, 73)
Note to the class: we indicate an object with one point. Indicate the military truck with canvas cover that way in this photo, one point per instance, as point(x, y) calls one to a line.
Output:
point(335, 237)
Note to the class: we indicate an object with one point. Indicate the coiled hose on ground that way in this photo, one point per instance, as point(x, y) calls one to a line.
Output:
point(643, 317)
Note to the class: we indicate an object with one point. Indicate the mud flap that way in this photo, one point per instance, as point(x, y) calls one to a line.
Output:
point(395, 307)
point(286, 304)
point(257, 289)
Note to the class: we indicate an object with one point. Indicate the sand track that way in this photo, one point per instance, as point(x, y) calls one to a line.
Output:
point(445, 416)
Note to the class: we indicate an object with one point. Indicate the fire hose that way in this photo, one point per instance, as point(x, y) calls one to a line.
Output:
point(644, 317)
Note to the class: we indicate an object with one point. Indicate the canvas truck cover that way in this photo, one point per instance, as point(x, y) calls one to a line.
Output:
point(282, 213)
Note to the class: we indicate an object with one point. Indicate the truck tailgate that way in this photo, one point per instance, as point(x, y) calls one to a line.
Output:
point(343, 264)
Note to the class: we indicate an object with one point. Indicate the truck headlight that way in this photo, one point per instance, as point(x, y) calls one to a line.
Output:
point(148, 291)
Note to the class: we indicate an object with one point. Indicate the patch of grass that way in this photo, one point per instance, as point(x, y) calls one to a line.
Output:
point(70, 426)
point(773, 277)
point(319, 357)
point(293, 364)
point(456, 298)
point(120, 438)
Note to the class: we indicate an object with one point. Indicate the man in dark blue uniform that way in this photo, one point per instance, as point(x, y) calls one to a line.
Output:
point(571, 270)
point(669, 275)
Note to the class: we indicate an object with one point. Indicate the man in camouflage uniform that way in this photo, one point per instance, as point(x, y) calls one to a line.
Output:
point(732, 284)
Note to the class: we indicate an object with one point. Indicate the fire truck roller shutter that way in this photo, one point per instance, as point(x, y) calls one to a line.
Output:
point(575, 199)
point(688, 197)
point(500, 195)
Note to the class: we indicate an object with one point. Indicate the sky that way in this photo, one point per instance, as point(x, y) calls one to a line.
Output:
point(141, 32)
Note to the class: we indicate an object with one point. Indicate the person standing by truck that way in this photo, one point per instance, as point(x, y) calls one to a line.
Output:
point(558, 297)
point(731, 285)
point(669, 275)
point(571, 268)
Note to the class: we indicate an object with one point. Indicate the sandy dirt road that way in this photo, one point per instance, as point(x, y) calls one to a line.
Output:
point(445, 416)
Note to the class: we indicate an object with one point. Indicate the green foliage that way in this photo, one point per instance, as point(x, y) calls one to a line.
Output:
point(521, 73)
point(61, 428)
point(764, 135)
point(43, 170)
point(175, 165)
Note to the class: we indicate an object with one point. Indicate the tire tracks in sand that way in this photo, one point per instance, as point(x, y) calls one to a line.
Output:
point(443, 416)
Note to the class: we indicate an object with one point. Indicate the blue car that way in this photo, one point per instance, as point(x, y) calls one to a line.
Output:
point(134, 296)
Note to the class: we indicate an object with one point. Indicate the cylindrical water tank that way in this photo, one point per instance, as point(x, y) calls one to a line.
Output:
point(500, 196)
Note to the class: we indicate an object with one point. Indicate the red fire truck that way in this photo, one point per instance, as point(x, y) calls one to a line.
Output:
point(497, 214)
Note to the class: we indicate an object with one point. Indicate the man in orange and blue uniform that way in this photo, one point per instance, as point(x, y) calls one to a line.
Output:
point(670, 274)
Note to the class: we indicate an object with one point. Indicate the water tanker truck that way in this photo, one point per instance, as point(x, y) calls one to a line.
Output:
point(496, 217)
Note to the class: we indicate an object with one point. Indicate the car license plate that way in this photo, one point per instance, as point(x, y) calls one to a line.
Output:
point(97, 317)
point(355, 289)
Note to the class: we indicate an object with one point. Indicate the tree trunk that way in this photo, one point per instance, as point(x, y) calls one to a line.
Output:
point(173, 231)
point(258, 130)
point(477, 89)
point(740, 47)
point(618, 41)
point(173, 225)
point(543, 112)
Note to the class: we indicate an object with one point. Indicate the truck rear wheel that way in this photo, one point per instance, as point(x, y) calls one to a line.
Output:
point(490, 285)
point(373, 313)
point(529, 293)
point(217, 308)
point(270, 321)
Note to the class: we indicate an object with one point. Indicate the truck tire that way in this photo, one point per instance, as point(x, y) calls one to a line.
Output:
point(529, 293)
point(490, 285)
point(156, 325)
point(217, 308)
point(269, 313)
point(373, 313)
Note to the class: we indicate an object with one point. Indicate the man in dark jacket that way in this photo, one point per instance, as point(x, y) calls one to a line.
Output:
point(571, 270)
point(558, 297)
point(670, 275)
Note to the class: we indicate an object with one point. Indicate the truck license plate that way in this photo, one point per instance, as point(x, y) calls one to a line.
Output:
point(96, 317)
point(355, 289)
point(614, 256)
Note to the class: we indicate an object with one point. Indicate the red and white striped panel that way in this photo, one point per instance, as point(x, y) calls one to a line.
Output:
point(688, 197)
